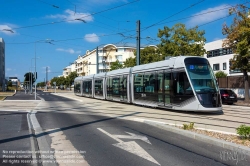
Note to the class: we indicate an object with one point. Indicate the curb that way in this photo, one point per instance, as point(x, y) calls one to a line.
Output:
point(200, 137)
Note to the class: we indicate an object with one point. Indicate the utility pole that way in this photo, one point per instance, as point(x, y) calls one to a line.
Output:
point(97, 61)
point(46, 78)
point(138, 42)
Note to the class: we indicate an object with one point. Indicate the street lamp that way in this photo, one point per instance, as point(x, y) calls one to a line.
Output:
point(46, 41)
point(9, 30)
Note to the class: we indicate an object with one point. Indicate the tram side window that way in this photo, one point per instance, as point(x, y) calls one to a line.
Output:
point(138, 83)
point(115, 85)
point(83, 87)
point(89, 86)
point(149, 82)
point(77, 87)
point(124, 86)
point(98, 87)
point(109, 86)
point(181, 84)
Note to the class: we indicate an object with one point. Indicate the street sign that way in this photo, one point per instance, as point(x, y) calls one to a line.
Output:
point(54, 83)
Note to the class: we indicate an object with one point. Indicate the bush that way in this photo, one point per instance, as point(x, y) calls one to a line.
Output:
point(220, 74)
point(244, 131)
point(189, 126)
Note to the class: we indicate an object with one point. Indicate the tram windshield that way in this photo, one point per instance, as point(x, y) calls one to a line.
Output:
point(202, 77)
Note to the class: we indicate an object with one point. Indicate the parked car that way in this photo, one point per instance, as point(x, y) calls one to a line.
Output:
point(228, 96)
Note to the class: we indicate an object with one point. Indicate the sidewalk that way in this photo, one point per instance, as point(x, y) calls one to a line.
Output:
point(241, 102)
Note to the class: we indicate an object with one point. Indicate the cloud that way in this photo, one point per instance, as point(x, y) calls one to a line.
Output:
point(6, 29)
point(93, 38)
point(70, 50)
point(205, 18)
point(8, 69)
point(71, 16)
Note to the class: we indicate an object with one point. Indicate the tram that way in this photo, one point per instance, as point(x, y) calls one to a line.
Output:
point(185, 83)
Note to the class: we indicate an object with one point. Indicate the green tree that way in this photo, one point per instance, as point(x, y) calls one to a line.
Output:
point(147, 55)
point(178, 41)
point(130, 62)
point(55, 79)
point(28, 76)
point(40, 84)
point(70, 78)
point(59, 81)
point(9, 84)
point(238, 39)
point(116, 65)
point(220, 74)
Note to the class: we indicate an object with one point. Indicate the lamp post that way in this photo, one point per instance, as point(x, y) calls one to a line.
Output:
point(46, 41)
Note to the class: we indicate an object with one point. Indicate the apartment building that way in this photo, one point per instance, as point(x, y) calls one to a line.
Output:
point(2, 65)
point(67, 70)
point(87, 64)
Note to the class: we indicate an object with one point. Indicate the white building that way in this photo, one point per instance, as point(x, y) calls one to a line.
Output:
point(219, 59)
point(67, 70)
point(87, 64)
point(2, 65)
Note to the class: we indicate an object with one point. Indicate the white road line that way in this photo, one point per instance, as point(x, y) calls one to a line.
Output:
point(117, 139)
point(131, 146)
point(64, 149)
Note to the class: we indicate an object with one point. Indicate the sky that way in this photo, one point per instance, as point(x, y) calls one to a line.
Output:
point(53, 33)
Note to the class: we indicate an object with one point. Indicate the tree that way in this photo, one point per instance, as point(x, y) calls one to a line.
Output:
point(220, 74)
point(116, 65)
point(147, 55)
point(178, 41)
point(238, 39)
point(9, 84)
point(70, 78)
point(130, 62)
point(40, 84)
point(28, 76)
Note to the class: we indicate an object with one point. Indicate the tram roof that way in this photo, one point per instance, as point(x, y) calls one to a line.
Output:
point(173, 62)
point(100, 75)
point(119, 72)
point(78, 78)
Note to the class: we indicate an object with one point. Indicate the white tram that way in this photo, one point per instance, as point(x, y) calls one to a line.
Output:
point(180, 83)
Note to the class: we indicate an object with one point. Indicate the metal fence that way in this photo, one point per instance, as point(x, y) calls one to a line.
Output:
point(232, 82)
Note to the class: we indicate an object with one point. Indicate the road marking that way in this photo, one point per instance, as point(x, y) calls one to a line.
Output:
point(64, 151)
point(118, 140)
point(131, 146)
point(133, 136)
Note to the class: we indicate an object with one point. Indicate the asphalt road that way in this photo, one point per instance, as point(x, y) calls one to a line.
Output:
point(112, 141)
point(15, 136)
point(65, 132)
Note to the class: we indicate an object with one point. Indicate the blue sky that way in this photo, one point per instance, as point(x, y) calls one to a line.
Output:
point(48, 28)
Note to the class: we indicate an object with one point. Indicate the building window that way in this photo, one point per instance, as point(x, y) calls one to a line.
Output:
point(119, 58)
point(216, 67)
point(219, 52)
point(224, 66)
